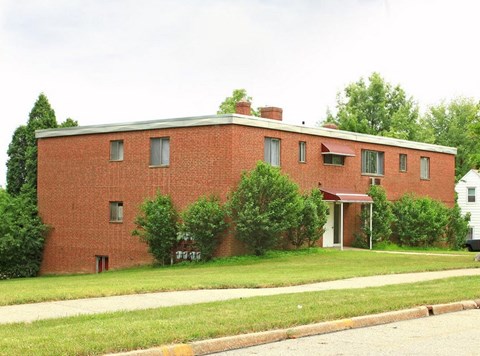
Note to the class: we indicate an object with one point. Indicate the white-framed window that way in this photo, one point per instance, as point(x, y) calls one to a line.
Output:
point(402, 162)
point(116, 150)
point(372, 162)
point(272, 151)
point(470, 233)
point(302, 151)
point(336, 160)
point(116, 211)
point(471, 196)
point(424, 168)
point(160, 151)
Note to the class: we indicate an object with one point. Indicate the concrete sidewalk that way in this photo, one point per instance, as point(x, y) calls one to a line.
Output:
point(59, 309)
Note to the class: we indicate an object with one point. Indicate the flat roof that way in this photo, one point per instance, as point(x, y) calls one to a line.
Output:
point(236, 119)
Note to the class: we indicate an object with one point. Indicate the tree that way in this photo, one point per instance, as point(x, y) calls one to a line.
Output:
point(265, 205)
point(229, 104)
point(204, 221)
point(157, 226)
point(22, 151)
point(311, 220)
point(21, 235)
point(382, 217)
point(377, 108)
point(457, 227)
point(453, 124)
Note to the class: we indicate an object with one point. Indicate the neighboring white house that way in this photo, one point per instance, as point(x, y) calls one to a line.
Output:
point(468, 190)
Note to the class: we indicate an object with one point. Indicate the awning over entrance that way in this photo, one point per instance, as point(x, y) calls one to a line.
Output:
point(345, 196)
point(336, 149)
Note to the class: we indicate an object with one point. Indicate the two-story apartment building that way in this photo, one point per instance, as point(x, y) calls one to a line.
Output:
point(92, 179)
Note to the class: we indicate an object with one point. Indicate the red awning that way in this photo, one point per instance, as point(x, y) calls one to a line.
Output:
point(336, 149)
point(345, 196)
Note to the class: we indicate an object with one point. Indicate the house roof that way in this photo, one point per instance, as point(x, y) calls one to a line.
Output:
point(243, 120)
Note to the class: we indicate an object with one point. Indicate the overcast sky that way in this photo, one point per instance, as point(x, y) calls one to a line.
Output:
point(104, 61)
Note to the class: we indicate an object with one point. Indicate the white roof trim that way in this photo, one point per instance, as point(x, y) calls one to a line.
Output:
point(243, 120)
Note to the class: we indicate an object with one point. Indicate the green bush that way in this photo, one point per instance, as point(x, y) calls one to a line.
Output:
point(22, 234)
point(419, 221)
point(204, 221)
point(457, 228)
point(382, 219)
point(157, 226)
point(311, 220)
point(265, 205)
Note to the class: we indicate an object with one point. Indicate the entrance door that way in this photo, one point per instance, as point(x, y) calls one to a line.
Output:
point(331, 236)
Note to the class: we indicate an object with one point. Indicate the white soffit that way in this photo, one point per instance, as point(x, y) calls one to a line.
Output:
point(243, 120)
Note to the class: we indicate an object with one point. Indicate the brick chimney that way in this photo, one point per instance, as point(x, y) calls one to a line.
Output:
point(272, 113)
point(243, 107)
point(330, 125)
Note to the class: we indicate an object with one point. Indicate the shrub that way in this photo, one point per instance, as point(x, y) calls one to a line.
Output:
point(419, 221)
point(22, 234)
point(204, 220)
point(265, 204)
point(311, 220)
point(157, 226)
point(382, 219)
point(457, 228)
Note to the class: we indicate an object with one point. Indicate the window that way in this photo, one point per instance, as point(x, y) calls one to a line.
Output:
point(116, 211)
point(471, 195)
point(101, 263)
point(424, 168)
point(470, 233)
point(160, 151)
point(116, 150)
point(272, 151)
point(302, 151)
point(403, 162)
point(334, 159)
point(372, 162)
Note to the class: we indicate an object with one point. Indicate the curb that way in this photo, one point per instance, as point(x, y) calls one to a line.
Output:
point(206, 347)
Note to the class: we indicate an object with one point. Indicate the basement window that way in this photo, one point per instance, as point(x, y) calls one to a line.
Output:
point(101, 263)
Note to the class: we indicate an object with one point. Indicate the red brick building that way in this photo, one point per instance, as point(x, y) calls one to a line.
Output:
point(92, 179)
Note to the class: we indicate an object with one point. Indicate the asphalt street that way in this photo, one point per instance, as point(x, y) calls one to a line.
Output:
point(447, 334)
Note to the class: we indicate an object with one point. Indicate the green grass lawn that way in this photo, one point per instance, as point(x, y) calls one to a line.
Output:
point(275, 269)
point(113, 332)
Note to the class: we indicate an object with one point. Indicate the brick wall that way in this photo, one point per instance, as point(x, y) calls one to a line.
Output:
point(76, 182)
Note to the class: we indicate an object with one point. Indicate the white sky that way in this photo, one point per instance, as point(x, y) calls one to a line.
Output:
point(103, 61)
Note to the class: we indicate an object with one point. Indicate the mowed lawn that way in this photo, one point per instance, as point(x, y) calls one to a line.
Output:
point(275, 269)
point(122, 331)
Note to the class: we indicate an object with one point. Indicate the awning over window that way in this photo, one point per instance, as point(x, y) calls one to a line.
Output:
point(345, 196)
point(336, 149)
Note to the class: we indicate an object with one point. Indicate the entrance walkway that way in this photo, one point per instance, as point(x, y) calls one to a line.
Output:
point(59, 309)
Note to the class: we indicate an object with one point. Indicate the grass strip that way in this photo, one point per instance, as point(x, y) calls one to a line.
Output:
point(121, 331)
point(275, 269)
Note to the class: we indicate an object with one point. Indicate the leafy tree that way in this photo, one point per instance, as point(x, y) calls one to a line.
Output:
point(382, 217)
point(21, 235)
point(157, 226)
point(16, 164)
point(311, 220)
point(265, 205)
point(69, 122)
point(453, 124)
point(204, 221)
point(22, 151)
point(377, 108)
point(228, 105)
point(419, 221)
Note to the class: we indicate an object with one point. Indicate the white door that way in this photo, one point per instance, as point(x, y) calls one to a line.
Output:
point(329, 227)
